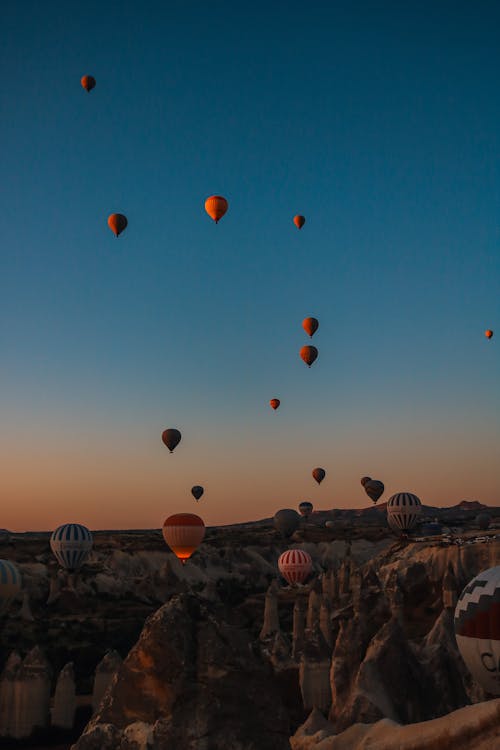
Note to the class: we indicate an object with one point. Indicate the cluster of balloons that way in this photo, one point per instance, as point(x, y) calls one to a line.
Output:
point(309, 354)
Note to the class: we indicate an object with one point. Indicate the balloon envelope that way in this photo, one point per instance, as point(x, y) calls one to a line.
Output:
point(286, 521)
point(477, 628)
point(374, 489)
point(295, 565)
point(309, 354)
point(319, 474)
point(117, 223)
point(88, 83)
point(403, 510)
point(489, 333)
point(305, 508)
point(10, 583)
point(197, 491)
point(299, 221)
point(364, 480)
point(71, 544)
point(310, 326)
point(216, 206)
point(274, 403)
point(183, 532)
point(171, 438)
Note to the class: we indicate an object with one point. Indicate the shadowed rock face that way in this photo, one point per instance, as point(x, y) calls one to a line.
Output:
point(192, 681)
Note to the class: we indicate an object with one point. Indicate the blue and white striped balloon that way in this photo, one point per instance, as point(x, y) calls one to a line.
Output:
point(403, 510)
point(10, 583)
point(71, 544)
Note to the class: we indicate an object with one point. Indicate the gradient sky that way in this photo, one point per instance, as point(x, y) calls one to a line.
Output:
point(379, 121)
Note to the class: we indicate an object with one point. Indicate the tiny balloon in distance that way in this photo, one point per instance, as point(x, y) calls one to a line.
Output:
point(319, 474)
point(171, 438)
point(88, 83)
point(197, 491)
point(216, 206)
point(117, 223)
point(310, 326)
point(299, 221)
point(274, 403)
point(488, 333)
point(309, 354)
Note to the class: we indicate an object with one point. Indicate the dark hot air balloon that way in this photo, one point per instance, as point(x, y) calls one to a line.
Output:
point(319, 474)
point(274, 403)
point(309, 354)
point(171, 438)
point(88, 83)
point(305, 508)
point(117, 223)
point(310, 326)
point(374, 489)
point(197, 491)
point(286, 521)
point(299, 221)
point(216, 206)
point(364, 480)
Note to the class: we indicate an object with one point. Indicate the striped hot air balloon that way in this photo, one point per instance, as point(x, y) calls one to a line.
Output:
point(183, 532)
point(295, 565)
point(477, 628)
point(71, 544)
point(403, 510)
point(10, 584)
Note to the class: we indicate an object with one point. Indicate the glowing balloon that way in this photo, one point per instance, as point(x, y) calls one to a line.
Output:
point(197, 491)
point(403, 510)
point(171, 438)
point(310, 326)
point(477, 628)
point(286, 521)
point(183, 532)
point(309, 354)
point(117, 223)
point(374, 489)
point(10, 584)
point(274, 403)
point(299, 221)
point(295, 565)
point(216, 206)
point(319, 474)
point(489, 333)
point(71, 544)
point(88, 83)
point(305, 508)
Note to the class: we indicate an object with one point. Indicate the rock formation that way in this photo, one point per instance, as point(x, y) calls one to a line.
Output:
point(105, 671)
point(63, 712)
point(31, 695)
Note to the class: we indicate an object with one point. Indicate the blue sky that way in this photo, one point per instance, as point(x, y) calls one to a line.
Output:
point(379, 123)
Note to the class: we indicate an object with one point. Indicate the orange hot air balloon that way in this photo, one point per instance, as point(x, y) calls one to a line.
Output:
point(171, 438)
point(299, 221)
point(183, 532)
point(310, 326)
point(488, 334)
point(319, 474)
point(117, 223)
point(309, 354)
point(274, 403)
point(88, 83)
point(216, 206)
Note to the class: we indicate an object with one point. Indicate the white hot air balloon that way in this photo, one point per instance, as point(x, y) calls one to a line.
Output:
point(71, 544)
point(477, 628)
point(403, 510)
point(10, 584)
point(295, 565)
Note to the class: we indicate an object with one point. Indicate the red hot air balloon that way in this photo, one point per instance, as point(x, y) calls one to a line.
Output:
point(117, 223)
point(183, 532)
point(88, 83)
point(197, 491)
point(309, 354)
point(295, 565)
point(319, 474)
point(274, 403)
point(489, 333)
point(299, 221)
point(216, 206)
point(171, 438)
point(310, 326)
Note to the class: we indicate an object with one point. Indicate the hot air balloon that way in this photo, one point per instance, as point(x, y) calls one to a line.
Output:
point(403, 510)
point(374, 489)
point(183, 532)
point(477, 628)
point(364, 480)
point(489, 333)
point(305, 508)
point(309, 354)
point(171, 438)
point(274, 403)
point(117, 223)
point(295, 565)
point(216, 206)
point(286, 521)
point(10, 584)
point(483, 520)
point(299, 221)
point(197, 491)
point(88, 83)
point(330, 524)
point(71, 544)
point(319, 474)
point(310, 326)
